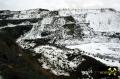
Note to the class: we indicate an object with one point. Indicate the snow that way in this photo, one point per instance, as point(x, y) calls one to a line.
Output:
point(62, 73)
point(28, 14)
point(25, 14)
point(57, 60)
point(9, 25)
point(44, 65)
point(94, 48)
point(108, 62)
point(97, 46)
point(110, 57)
point(105, 21)
point(47, 20)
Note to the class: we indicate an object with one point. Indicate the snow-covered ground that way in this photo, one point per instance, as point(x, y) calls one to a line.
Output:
point(108, 53)
point(9, 25)
point(104, 20)
point(100, 47)
point(56, 59)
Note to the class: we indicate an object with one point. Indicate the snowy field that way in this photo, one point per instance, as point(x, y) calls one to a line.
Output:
point(108, 53)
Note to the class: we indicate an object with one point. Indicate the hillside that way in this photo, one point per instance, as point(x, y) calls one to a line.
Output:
point(66, 39)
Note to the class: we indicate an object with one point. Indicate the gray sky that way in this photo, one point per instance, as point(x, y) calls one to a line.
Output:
point(58, 4)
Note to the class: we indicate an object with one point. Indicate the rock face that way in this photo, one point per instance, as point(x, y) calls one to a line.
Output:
point(53, 36)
